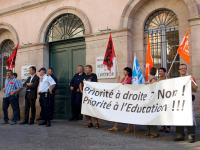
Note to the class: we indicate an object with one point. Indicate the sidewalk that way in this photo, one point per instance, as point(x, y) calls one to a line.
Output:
point(64, 135)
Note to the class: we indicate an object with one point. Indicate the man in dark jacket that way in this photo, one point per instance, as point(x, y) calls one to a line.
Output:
point(31, 85)
point(76, 95)
point(50, 72)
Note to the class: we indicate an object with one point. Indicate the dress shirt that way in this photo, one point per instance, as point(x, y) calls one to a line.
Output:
point(45, 83)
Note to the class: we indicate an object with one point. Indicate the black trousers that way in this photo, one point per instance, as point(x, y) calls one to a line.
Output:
point(18, 108)
point(190, 130)
point(152, 130)
point(76, 101)
point(45, 106)
point(11, 100)
point(41, 111)
point(29, 104)
point(52, 102)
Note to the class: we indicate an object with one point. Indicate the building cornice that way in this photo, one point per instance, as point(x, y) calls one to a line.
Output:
point(22, 6)
point(107, 32)
point(194, 21)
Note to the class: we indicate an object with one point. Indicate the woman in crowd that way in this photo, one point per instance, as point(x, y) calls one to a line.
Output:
point(91, 77)
point(152, 130)
point(162, 76)
point(127, 79)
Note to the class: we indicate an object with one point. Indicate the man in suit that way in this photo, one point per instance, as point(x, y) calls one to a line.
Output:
point(31, 85)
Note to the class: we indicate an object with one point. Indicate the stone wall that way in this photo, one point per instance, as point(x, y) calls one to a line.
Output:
point(96, 46)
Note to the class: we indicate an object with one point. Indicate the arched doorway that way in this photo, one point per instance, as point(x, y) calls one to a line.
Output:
point(6, 48)
point(65, 37)
point(162, 28)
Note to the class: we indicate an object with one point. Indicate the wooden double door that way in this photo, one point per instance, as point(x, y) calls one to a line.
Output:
point(64, 57)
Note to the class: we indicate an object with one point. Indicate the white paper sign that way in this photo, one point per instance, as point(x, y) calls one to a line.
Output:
point(25, 71)
point(167, 102)
point(102, 71)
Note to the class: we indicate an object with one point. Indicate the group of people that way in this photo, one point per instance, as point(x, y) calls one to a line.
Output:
point(44, 85)
point(76, 86)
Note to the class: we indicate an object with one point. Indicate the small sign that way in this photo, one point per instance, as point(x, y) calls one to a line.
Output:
point(25, 71)
point(102, 70)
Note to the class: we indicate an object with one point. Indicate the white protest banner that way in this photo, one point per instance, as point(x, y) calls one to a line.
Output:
point(167, 102)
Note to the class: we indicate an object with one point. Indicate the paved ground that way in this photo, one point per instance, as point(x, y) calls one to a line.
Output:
point(64, 135)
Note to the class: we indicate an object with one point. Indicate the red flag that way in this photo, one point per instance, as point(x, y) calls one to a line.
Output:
point(10, 63)
point(149, 60)
point(183, 49)
point(110, 54)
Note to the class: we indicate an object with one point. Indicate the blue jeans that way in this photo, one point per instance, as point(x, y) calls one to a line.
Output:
point(11, 100)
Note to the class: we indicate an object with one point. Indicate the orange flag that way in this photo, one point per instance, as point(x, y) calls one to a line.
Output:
point(149, 60)
point(183, 49)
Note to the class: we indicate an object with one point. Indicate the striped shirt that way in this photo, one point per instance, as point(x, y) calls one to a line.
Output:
point(11, 85)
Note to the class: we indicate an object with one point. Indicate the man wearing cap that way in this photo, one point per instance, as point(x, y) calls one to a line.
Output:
point(45, 88)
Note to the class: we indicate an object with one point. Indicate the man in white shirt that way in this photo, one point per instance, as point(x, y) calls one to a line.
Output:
point(45, 89)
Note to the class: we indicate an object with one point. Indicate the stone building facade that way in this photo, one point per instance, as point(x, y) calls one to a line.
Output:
point(64, 33)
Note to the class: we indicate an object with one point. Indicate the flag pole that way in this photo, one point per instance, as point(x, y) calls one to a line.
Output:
point(134, 134)
point(183, 43)
point(194, 82)
point(172, 64)
point(117, 68)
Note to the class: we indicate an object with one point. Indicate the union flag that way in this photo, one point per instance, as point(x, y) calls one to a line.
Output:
point(183, 49)
point(109, 54)
point(149, 60)
point(10, 62)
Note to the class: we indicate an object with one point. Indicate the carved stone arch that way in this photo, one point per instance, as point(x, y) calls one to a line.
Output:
point(9, 28)
point(60, 11)
point(133, 5)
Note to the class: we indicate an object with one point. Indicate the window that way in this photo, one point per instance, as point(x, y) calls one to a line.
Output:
point(6, 49)
point(162, 29)
point(65, 27)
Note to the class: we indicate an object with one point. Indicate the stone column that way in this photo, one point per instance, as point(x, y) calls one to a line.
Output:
point(194, 42)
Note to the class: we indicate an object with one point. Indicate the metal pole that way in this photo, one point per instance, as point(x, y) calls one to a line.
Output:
point(117, 66)
point(172, 64)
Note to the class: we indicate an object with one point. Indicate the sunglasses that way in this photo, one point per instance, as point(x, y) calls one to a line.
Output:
point(182, 69)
